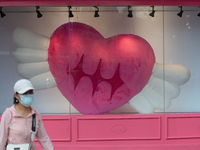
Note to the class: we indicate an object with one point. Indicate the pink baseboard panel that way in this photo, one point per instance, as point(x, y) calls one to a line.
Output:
point(124, 132)
point(118, 128)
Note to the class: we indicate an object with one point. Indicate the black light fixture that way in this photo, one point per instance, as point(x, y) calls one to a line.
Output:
point(1, 12)
point(152, 12)
point(130, 15)
point(39, 15)
point(96, 14)
point(70, 12)
point(198, 14)
point(181, 12)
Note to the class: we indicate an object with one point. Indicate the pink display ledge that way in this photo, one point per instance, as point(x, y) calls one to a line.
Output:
point(124, 132)
point(4, 3)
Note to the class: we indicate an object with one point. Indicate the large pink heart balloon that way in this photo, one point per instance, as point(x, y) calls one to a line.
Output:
point(95, 74)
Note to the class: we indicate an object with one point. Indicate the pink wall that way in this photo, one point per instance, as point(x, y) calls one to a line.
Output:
point(124, 132)
point(141, 132)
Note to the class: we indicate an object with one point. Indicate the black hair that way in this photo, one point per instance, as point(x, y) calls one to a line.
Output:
point(16, 101)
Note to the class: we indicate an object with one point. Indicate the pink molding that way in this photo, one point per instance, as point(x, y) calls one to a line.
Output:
point(6, 3)
point(110, 129)
point(127, 132)
point(183, 127)
point(63, 123)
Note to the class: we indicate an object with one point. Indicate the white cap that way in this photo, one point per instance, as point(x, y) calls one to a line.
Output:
point(22, 86)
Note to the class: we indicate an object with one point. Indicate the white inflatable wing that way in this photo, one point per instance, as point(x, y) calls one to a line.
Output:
point(163, 86)
point(28, 39)
point(32, 58)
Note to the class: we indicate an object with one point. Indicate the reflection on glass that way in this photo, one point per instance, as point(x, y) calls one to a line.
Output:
point(119, 64)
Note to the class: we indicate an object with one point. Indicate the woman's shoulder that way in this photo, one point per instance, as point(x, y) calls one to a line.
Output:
point(12, 111)
point(7, 113)
point(9, 110)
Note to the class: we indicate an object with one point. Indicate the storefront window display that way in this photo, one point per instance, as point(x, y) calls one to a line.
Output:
point(114, 63)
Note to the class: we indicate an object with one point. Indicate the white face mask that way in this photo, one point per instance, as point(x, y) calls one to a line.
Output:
point(27, 100)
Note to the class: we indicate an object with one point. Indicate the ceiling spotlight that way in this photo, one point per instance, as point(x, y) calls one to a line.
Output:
point(70, 12)
point(181, 12)
point(152, 12)
point(130, 15)
point(1, 12)
point(198, 14)
point(96, 11)
point(39, 15)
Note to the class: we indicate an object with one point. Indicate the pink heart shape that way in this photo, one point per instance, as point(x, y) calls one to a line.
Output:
point(95, 74)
